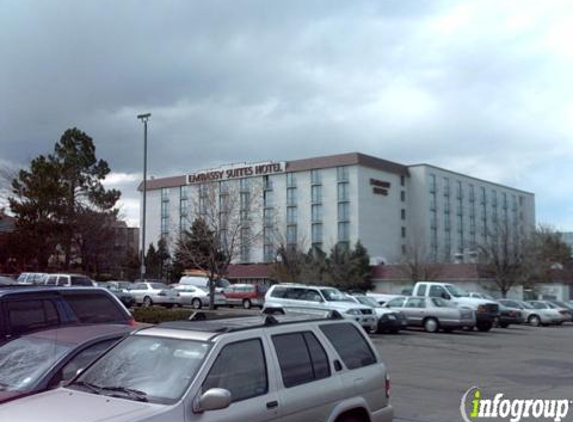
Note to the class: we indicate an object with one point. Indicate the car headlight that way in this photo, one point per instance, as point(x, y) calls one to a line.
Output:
point(353, 312)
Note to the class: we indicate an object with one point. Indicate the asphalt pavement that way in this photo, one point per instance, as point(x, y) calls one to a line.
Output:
point(431, 372)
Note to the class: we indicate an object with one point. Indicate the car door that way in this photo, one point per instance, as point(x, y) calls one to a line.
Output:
point(309, 386)
point(242, 367)
point(138, 292)
point(415, 307)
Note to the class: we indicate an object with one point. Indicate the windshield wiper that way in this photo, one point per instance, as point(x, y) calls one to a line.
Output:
point(92, 388)
point(130, 393)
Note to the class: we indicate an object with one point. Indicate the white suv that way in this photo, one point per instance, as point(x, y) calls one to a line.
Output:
point(259, 369)
point(292, 296)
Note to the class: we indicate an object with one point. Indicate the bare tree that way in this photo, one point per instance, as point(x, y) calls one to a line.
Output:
point(504, 256)
point(417, 264)
point(227, 222)
point(7, 174)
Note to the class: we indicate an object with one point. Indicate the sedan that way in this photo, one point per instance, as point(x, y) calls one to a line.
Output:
point(192, 295)
point(562, 307)
point(47, 359)
point(559, 316)
point(433, 313)
point(148, 294)
point(388, 319)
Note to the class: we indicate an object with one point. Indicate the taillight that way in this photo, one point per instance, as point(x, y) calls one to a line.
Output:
point(387, 386)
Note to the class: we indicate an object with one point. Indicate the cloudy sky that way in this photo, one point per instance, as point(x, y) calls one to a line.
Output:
point(481, 87)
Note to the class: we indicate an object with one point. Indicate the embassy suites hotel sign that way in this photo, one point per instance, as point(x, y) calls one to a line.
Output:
point(236, 172)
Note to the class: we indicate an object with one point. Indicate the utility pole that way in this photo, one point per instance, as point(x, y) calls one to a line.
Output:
point(144, 118)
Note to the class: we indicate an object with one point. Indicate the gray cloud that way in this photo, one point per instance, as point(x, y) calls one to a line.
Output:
point(479, 87)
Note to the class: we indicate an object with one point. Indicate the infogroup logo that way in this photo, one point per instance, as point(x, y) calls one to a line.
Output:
point(474, 407)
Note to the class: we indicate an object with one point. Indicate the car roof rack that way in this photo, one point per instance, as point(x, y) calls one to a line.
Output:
point(226, 323)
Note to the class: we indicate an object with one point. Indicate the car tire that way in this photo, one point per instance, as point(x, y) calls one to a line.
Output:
point(247, 304)
point(534, 321)
point(349, 418)
point(147, 302)
point(196, 303)
point(484, 326)
point(431, 325)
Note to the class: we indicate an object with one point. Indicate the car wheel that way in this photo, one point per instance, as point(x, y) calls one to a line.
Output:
point(484, 326)
point(196, 303)
point(349, 418)
point(431, 325)
point(147, 302)
point(247, 304)
point(534, 321)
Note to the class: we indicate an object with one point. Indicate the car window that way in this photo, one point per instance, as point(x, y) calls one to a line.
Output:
point(52, 280)
point(82, 359)
point(396, 303)
point(301, 358)
point(158, 286)
point(241, 369)
point(62, 280)
point(422, 290)
point(311, 296)
point(415, 302)
point(294, 293)
point(140, 286)
point(81, 281)
point(95, 307)
point(278, 292)
point(441, 303)
point(350, 344)
point(538, 305)
point(27, 315)
point(437, 291)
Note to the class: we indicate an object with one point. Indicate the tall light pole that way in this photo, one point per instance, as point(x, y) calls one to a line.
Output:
point(144, 118)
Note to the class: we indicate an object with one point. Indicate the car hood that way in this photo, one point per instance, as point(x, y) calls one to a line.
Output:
point(6, 395)
point(77, 406)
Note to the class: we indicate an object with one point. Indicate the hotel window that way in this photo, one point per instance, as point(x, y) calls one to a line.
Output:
point(433, 220)
point(504, 200)
point(446, 186)
point(483, 198)
point(432, 183)
point(403, 196)
point(402, 180)
point(268, 198)
point(343, 192)
point(459, 189)
point(403, 214)
point(316, 213)
point(315, 177)
point(244, 184)
point(472, 193)
point(245, 200)
point(494, 199)
point(164, 209)
point(447, 223)
point(291, 180)
point(316, 194)
point(343, 232)
point(291, 215)
point(164, 226)
point(317, 235)
point(268, 183)
point(291, 196)
point(291, 235)
point(342, 174)
point(403, 232)
point(164, 194)
point(269, 250)
point(433, 201)
point(268, 216)
point(343, 211)
point(460, 225)
point(224, 187)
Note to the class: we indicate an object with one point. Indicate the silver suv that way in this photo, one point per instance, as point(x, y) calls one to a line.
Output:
point(293, 296)
point(260, 368)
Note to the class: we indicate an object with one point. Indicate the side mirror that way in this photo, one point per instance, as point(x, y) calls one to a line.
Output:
point(213, 399)
point(445, 296)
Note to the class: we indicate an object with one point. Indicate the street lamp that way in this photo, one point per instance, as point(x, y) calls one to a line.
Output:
point(144, 118)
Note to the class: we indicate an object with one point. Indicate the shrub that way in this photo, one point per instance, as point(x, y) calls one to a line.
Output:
point(156, 315)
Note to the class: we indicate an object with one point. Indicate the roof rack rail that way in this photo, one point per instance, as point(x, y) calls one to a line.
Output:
point(314, 312)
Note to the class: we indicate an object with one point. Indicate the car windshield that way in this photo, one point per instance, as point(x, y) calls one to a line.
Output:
point(368, 301)
point(457, 291)
point(24, 360)
point(333, 295)
point(526, 305)
point(132, 367)
point(158, 286)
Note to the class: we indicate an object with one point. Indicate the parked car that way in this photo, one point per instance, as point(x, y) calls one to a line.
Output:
point(486, 311)
point(433, 313)
point(251, 368)
point(121, 289)
point(7, 281)
point(68, 280)
point(509, 316)
point(31, 278)
point(245, 295)
point(562, 307)
point(46, 359)
point(388, 320)
point(28, 308)
point(203, 282)
point(559, 315)
point(382, 298)
point(282, 296)
point(532, 315)
point(194, 296)
point(148, 294)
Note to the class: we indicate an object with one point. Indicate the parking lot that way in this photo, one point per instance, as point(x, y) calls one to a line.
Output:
point(431, 372)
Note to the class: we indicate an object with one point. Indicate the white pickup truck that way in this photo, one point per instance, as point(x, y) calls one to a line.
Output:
point(487, 311)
